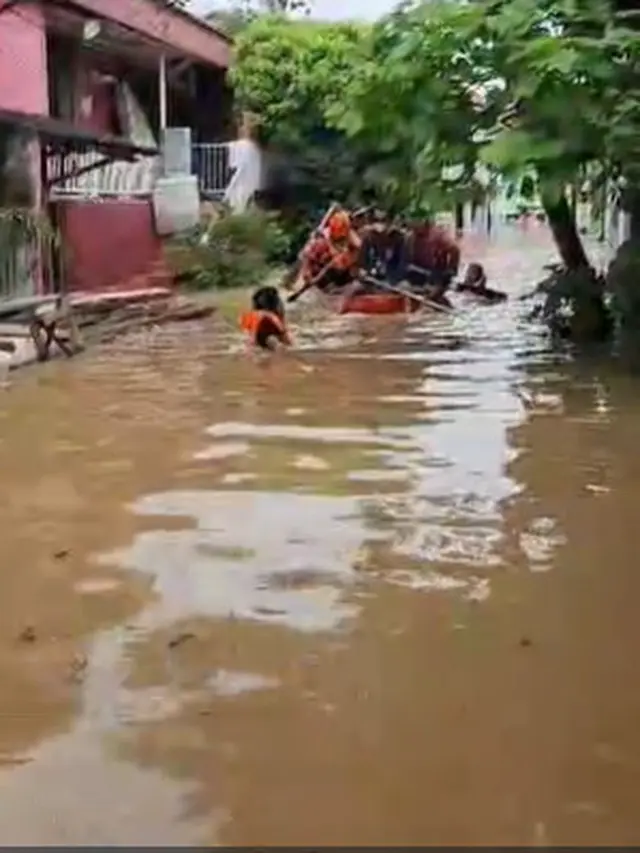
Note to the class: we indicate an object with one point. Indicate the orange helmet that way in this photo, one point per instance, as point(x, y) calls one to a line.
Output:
point(339, 225)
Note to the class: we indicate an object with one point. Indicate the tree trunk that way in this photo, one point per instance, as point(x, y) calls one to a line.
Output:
point(633, 209)
point(565, 233)
point(459, 218)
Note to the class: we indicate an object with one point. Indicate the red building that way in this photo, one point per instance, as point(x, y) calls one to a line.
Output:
point(86, 87)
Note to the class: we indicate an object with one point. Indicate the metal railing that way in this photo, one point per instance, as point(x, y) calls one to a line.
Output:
point(210, 162)
point(118, 178)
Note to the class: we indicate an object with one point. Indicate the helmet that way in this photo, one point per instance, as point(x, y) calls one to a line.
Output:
point(339, 226)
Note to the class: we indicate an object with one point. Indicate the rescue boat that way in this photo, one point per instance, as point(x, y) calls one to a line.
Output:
point(374, 303)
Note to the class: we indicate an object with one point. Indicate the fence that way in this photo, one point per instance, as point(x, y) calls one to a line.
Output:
point(210, 162)
point(118, 178)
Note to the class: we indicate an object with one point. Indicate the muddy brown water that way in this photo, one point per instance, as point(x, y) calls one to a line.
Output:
point(392, 601)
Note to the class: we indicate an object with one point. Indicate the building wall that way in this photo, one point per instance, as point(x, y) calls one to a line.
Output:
point(23, 59)
point(23, 88)
point(111, 244)
point(23, 69)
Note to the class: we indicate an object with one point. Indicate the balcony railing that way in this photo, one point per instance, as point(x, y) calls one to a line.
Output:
point(118, 178)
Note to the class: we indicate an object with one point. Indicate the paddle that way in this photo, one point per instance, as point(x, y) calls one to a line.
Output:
point(423, 300)
point(309, 284)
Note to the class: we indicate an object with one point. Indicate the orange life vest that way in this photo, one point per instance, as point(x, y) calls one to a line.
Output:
point(250, 323)
point(323, 253)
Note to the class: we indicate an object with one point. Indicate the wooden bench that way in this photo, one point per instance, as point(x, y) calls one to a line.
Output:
point(47, 320)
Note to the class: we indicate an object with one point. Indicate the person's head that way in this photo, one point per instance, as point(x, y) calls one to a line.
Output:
point(339, 226)
point(475, 275)
point(268, 299)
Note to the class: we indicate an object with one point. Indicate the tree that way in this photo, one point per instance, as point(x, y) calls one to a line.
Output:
point(236, 17)
point(291, 74)
point(439, 95)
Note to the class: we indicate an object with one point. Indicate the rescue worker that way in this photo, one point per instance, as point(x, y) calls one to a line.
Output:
point(332, 258)
point(265, 324)
point(434, 259)
point(383, 254)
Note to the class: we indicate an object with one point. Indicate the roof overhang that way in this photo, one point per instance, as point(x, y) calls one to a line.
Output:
point(64, 137)
point(171, 30)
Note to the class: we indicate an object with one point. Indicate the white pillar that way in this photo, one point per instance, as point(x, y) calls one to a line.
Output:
point(162, 87)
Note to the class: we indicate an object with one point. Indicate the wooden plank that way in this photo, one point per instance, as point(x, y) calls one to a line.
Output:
point(82, 299)
point(24, 303)
point(14, 330)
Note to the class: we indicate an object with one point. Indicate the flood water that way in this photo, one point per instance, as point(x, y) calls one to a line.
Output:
point(390, 601)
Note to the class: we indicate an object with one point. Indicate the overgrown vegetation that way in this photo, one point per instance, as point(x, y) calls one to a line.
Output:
point(228, 251)
point(27, 238)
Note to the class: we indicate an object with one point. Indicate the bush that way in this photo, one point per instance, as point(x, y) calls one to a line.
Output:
point(230, 250)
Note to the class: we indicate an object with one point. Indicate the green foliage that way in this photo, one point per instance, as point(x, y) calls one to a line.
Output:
point(509, 85)
point(413, 105)
point(229, 251)
point(291, 74)
point(568, 69)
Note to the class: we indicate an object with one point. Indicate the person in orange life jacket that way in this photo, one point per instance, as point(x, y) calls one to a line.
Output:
point(335, 253)
point(265, 324)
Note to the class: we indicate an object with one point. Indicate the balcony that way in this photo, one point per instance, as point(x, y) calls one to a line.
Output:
point(118, 178)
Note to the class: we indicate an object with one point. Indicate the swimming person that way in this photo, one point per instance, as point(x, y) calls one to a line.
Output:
point(265, 324)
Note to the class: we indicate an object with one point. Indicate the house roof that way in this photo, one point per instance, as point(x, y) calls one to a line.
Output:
point(167, 26)
point(62, 135)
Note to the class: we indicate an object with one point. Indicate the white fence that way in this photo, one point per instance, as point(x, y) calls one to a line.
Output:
point(210, 163)
point(118, 178)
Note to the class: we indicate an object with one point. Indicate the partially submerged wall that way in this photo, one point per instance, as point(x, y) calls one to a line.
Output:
point(111, 244)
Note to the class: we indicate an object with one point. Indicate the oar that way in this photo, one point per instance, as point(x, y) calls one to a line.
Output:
point(309, 284)
point(423, 300)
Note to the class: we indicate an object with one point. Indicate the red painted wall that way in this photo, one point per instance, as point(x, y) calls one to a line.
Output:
point(111, 244)
point(23, 59)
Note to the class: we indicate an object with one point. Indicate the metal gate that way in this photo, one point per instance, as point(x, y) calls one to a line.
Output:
point(210, 162)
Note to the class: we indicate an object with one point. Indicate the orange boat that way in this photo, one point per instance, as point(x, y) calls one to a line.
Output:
point(375, 303)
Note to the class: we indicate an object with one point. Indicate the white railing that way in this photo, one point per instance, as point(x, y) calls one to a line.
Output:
point(118, 178)
point(210, 162)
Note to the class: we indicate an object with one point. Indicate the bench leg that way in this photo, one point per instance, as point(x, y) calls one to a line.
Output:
point(39, 337)
point(45, 333)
